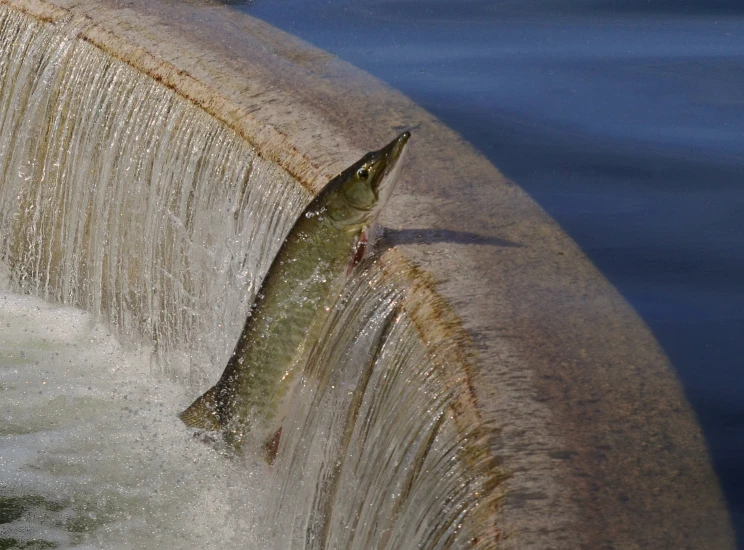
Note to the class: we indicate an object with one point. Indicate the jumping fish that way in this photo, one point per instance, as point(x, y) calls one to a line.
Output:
point(295, 299)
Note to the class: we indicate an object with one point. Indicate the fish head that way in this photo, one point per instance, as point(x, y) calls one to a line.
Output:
point(356, 196)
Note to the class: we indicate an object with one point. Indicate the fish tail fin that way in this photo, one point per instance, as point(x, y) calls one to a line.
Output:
point(203, 413)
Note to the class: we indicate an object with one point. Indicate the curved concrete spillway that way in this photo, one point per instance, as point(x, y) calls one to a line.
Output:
point(583, 410)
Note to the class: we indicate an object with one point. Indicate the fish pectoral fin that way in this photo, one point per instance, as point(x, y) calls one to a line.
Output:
point(271, 446)
point(360, 248)
point(203, 413)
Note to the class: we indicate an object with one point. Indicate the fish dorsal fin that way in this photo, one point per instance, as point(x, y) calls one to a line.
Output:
point(202, 413)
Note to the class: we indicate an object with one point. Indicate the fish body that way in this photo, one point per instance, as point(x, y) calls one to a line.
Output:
point(295, 299)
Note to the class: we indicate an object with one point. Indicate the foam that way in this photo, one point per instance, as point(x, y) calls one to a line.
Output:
point(92, 451)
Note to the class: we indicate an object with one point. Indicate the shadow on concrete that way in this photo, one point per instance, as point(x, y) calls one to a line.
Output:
point(394, 237)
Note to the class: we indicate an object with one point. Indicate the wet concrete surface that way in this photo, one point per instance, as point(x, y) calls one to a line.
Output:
point(602, 447)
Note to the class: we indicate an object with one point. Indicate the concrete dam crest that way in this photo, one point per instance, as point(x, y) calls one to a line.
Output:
point(480, 385)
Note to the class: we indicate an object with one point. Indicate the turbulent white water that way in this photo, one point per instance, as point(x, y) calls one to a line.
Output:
point(92, 454)
point(119, 197)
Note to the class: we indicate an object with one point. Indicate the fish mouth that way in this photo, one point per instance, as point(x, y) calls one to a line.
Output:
point(390, 155)
point(394, 149)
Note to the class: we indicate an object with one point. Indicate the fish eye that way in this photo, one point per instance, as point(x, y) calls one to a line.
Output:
point(363, 173)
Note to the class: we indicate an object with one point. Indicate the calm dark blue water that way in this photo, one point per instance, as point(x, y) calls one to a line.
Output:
point(624, 120)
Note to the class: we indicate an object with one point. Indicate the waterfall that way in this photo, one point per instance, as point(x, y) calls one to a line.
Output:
point(389, 435)
point(120, 197)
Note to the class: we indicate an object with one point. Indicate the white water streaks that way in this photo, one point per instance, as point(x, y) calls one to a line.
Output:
point(121, 197)
point(92, 453)
point(380, 448)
